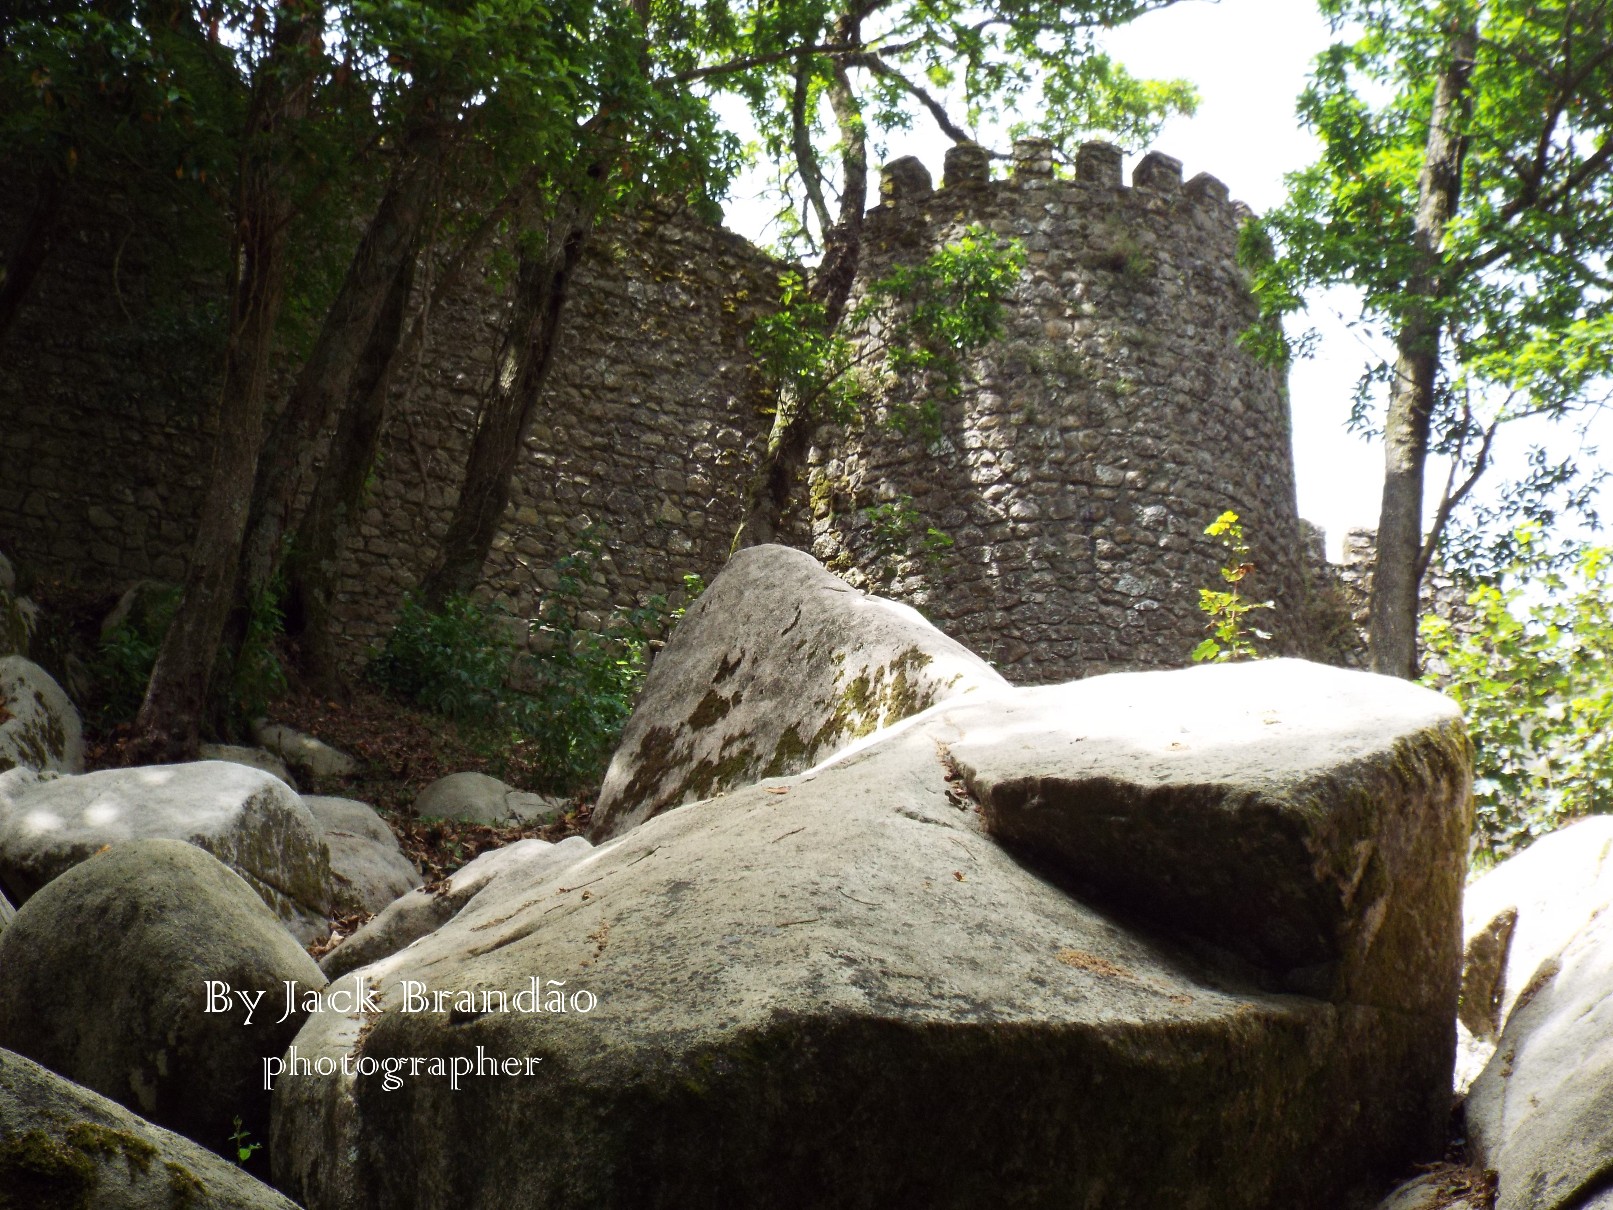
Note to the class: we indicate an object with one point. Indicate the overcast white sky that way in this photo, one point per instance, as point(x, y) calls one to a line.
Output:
point(1249, 60)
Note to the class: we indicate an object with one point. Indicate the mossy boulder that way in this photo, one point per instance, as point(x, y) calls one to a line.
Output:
point(39, 727)
point(250, 820)
point(63, 1147)
point(107, 974)
point(775, 667)
point(839, 989)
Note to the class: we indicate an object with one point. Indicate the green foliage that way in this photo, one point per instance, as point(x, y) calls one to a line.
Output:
point(1227, 608)
point(1533, 673)
point(894, 524)
point(1519, 284)
point(243, 1149)
point(123, 665)
point(917, 324)
point(564, 697)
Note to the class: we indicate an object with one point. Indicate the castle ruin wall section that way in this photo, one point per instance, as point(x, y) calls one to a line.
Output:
point(1077, 467)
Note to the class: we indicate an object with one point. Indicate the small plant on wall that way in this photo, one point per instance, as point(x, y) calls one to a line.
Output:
point(1228, 609)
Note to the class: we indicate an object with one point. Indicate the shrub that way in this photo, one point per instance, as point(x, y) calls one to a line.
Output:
point(1533, 676)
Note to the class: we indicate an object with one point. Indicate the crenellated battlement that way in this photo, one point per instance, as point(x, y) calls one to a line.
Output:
point(906, 185)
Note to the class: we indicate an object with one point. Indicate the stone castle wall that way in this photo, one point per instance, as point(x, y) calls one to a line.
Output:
point(1090, 447)
point(1075, 474)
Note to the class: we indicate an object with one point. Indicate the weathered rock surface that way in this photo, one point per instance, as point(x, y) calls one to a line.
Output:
point(106, 974)
point(1541, 1113)
point(250, 820)
point(478, 798)
point(776, 666)
point(1428, 1193)
point(1307, 820)
point(307, 755)
point(1517, 916)
point(422, 911)
point(39, 726)
point(252, 758)
point(837, 989)
point(63, 1147)
point(367, 866)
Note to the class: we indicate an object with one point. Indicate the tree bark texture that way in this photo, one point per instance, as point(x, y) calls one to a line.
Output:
point(768, 496)
point(543, 281)
point(1392, 625)
point(314, 566)
point(343, 341)
point(172, 714)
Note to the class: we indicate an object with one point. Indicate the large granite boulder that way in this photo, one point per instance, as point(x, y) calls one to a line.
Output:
point(423, 911)
point(63, 1147)
point(307, 755)
point(776, 666)
point(478, 798)
point(1517, 916)
point(125, 975)
point(250, 820)
point(1541, 1112)
point(39, 726)
point(367, 866)
point(252, 758)
point(840, 989)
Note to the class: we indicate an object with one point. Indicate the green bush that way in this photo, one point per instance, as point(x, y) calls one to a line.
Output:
point(1533, 674)
point(122, 666)
point(564, 702)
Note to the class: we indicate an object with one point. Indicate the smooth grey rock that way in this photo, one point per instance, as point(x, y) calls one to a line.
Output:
point(777, 665)
point(871, 1002)
point(106, 973)
point(422, 911)
point(1541, 1112)
point(39, 726)
point(367, 865)
point(478, 798)
point(1310, 820)
point(252, 758)
point(1550, 892)
point(304, 753)
point(63, 1146)
point(250, 820)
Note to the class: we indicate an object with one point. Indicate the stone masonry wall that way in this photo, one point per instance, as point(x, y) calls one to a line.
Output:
point(1074, 476)
point(1089, 448)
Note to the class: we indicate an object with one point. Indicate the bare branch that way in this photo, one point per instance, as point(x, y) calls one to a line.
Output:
point(879, 67)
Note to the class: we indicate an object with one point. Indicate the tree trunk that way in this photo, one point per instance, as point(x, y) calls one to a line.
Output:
point(767, 498)
point(170, 718)
point(1392, 627)
point(543, 280)
point(314, 567)
point(344, 339)
point(31, 246)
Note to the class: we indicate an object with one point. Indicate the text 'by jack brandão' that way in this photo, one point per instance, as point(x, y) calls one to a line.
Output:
point(356, 998)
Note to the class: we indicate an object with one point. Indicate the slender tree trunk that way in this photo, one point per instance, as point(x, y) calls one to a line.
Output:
point(543, 281)
point(32, 244)
point(1392, 626)
point(768, 496)
point(171, 716)
point(314, 567)
point(344, 339)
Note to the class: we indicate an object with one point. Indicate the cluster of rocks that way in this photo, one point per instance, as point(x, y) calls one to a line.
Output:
point(1188, 938)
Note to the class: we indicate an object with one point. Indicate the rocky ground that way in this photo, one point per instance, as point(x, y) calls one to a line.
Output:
point(1192, 939)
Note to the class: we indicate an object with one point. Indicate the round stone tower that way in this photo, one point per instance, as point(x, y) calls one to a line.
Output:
point(1054, 520)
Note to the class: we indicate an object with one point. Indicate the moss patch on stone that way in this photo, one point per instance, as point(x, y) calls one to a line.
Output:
point(95, 1139)
point(38, 1172)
